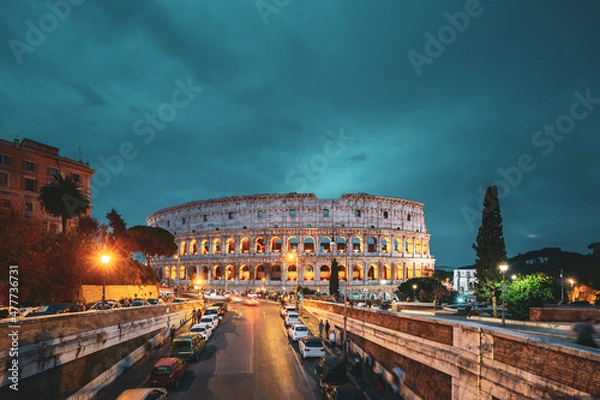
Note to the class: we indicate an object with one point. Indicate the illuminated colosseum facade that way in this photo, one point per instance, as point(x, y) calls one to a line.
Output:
point(281, 241)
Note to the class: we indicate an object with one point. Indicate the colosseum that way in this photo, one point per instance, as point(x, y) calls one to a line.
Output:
point(280, 242)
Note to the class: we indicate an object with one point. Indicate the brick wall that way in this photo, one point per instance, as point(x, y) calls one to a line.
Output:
point(91, 293)
point(563, 314)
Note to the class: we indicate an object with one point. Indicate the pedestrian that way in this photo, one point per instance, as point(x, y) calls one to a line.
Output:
point(584, 332)
point(321, 326)
point(199, 314)
point(468, 309)
point(172, 332)
point(327, 326)
point(194, 317)
point(332, 339)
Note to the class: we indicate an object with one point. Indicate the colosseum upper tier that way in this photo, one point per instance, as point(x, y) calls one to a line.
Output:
point(282, 241)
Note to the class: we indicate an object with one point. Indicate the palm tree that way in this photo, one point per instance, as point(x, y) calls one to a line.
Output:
point(64, 198)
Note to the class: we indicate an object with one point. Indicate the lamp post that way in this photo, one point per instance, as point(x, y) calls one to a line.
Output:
point(344, 339)
point(562, 286)
point(572, 282)
point(105, 260)
point(414, 293)
point(503, 268)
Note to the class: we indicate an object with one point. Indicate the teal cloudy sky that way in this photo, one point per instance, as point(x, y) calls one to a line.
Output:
point(426, 100)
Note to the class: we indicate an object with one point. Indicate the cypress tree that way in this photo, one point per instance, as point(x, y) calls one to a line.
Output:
point(490, 249)
point(334, 280)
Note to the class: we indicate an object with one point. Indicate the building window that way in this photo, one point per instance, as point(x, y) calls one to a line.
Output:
point(205, 218)
point(3, 159)
point(357, 213)
point(76, 178)
point(30, 185)
point(53, 171)
point(292, 213)
point(28, 207)
point(168, 223)
point(231, 215)
point(3, 179)
point(385, 215)
point(29, 166)
point(183, 220)
point(325, 212)
point(260, 214)
point(408, 217)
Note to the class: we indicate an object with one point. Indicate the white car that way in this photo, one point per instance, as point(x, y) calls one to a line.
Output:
point(298, 331)
point(144, 394)
point(311, 346)
point(213, 311)
point(287, 309)
point(207, 322)
point(202, 329)
point(292, 318)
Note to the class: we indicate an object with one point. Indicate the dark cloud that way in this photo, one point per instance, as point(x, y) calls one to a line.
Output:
point(271, 93)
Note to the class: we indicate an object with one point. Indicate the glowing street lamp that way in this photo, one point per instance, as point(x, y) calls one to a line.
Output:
point(199, 285)
point(105, 260)
point(503, 268)
point(414, 292)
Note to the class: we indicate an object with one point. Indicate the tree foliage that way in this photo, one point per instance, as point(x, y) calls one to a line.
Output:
point(528, 291)
point(490, 248)
point(151, 241)
point(64, 198)
point(428, 289)
point(334, 280)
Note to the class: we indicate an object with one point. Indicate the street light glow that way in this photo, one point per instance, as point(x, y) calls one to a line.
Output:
point(105, 258)
point(503, 268)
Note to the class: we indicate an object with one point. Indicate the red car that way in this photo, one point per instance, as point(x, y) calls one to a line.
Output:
point(168, 372)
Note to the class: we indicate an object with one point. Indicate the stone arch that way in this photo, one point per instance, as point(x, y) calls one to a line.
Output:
point(230, 246)
point(358, 273)
point(397, 246)
point(292, 272)
point(425, 247)
point(229, 272)
point(308, 244)
point(182, 248)
point(216, 272)
point(399, 272)
point(276, 245)
point(166, 272)
point(276, 273)
point(386, 272)
point(409, 245)
point(182, 275)
point(259, 245)
point(260, 272)
point(357, 244)
point(325, 245)
point(217, 246)
point(309, 273)
point(385, 245)
point(173, 273)
point(373, 273)
point(417, 246)
point(192, 273)
point(342, 245)
point(194, 247)
point(325, 272)
point(342, 272)
point(371, 245)
point(205, 246)
point(292, 244)
point(245, 245)
point(244, 273)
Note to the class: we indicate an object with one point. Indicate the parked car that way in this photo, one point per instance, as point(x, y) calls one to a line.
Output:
point(139, 303)
point(29, 306)
point(223, 308)
point(155, 301)
point(50, 309)
point(144, 394)
point(331, 370)
point(168, 372)
point(311, 346)
point(215, 318)
point(110, 305)
point(213, 311)
point(298, 331)
point(10, 312)
point(286, 309)
point(207, 322)
point(292, 318)
point(203, 329)
point(75, 306)
point(188, 346)
point(346, 391)
point(180, 300)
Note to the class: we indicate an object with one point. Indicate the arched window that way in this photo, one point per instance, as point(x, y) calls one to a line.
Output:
point(259, 245)
point(292, 273)
point(292, 244)
point(244, 273)
point(309, 245)
point(341, 245)
point(194, 247)
point(325, 245)
point(183, 248)
point(309, 273)
point(276, 273)
point(230, 246)
point(261, 272)
point(385, 245)
point(182, 272)
point(372, 275)
point(325, 273)
point(167, 273)
point(205, 246)
point(276, 245)
point(245, 245)
point(371, 245)
point(217, 246)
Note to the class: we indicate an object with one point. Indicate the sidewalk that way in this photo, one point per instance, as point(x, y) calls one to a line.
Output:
point(368, 381)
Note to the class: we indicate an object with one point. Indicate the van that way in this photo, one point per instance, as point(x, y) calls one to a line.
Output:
point(188, 346)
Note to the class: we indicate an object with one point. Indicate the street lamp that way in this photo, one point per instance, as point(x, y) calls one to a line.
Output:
point(572, 282)
point(503, 268)
point(562, 286)
point(198, 284)
point(105, 260)
point(415, 293)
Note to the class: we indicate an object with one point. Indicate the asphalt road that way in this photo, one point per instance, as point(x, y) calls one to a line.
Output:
point(248, 357)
